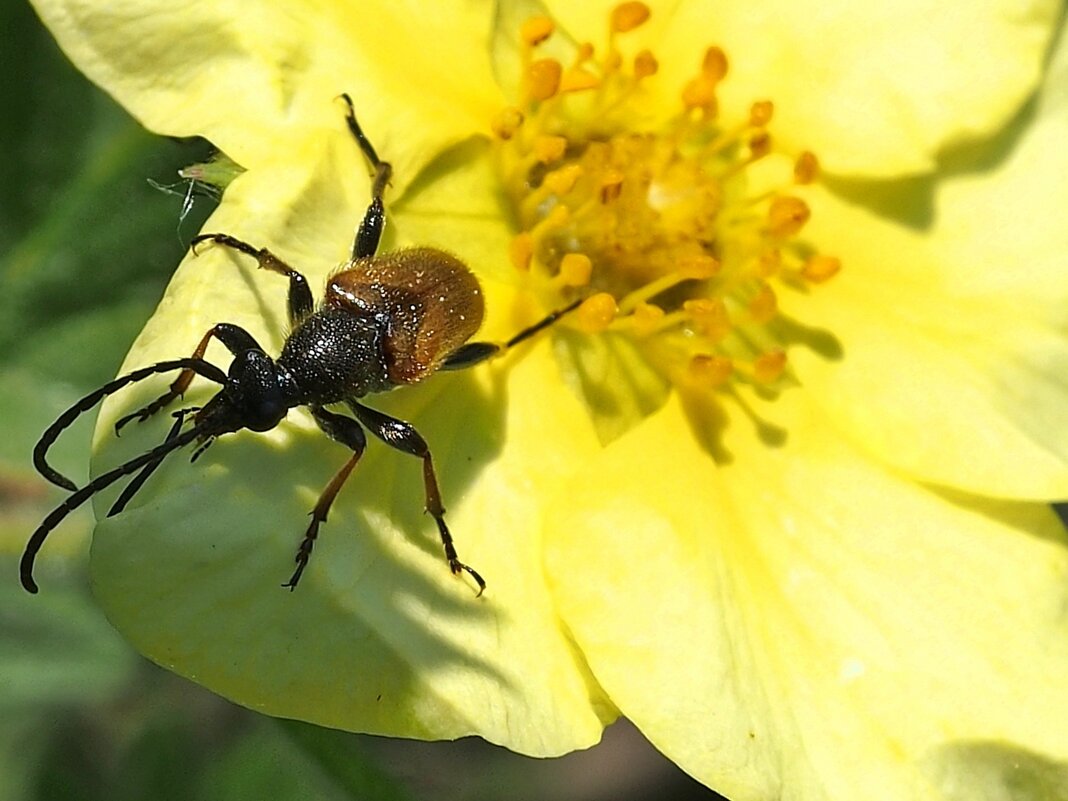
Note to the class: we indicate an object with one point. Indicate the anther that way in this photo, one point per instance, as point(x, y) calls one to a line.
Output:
point(710, 370)
point(786, 216)
point(714, 64)
point(596, 313)
point(769, 366)
point(821, 268)
point(646, 317)
point(543, 78)
point(549, 148)
point(536, 30)
point(700, 92)
point(806, 168)
point(759, 145)
point(521, 251)
point(506, 122)
point(699, 267)
point(760, 113)
point(562, 180)
point(645, 64)
point(764, 305)
point(611, 186)
point(628, 16)
point(578, 79)
point(768, 263)
point(709, 317)
point(575, 269)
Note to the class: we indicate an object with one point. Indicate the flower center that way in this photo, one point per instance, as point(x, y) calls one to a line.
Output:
point(674, 244)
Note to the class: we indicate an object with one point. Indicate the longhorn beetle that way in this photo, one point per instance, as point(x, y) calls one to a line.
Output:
point(386, 321)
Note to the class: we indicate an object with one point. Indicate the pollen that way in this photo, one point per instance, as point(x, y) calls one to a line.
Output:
point(661, 232)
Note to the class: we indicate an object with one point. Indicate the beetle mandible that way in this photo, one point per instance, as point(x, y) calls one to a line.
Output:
point(385, 321)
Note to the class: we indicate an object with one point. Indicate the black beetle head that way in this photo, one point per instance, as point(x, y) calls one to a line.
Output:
point(258, 391)
point(256, 396)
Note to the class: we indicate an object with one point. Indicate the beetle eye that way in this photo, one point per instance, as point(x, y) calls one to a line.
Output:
point(265, 413)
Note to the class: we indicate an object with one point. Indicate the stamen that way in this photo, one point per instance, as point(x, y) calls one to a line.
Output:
point(628, 16)
point(764, 305)
point(645, 64)
point(760, 113)
point(656, 229)
point(821, 268)
point(536, 30)
point(549, 148)
point(507, 122)
point(710, 370)
point(806, 169)
point(714, 64)
point(786, 216)
point(769, 367)
point(521, 251)
point(578, 79)
point(596, 313)
point(543, 78)
point(575, 269)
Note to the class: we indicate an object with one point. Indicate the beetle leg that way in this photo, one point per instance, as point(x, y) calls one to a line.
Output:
point(402, 436)
point(300, 299)
point(374, 219)
point(348, 432)
point(477, 352)
point(139, 480)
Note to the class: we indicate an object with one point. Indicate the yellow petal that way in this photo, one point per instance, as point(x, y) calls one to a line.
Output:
point(378, 637)
point(802, 622)
point(256, 79)
point(874, 89)
point(954, 345)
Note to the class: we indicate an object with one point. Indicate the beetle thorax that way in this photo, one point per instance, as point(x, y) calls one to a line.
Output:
point(336, 354)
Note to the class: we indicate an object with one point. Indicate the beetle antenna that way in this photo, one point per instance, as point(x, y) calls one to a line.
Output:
point(199, 366)
point(79, 497)
point(139, 480)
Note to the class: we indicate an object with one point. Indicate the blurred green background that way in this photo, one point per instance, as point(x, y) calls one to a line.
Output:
point(87, 244)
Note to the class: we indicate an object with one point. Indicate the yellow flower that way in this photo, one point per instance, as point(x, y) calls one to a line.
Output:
point(788, 520)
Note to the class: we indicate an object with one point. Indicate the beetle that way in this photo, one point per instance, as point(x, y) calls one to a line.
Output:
point(385, 321)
